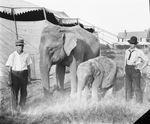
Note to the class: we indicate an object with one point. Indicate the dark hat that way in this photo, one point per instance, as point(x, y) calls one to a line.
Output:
point(133, 40)
point(19, 42)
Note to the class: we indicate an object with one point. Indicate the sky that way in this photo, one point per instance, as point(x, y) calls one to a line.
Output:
point(112, 15)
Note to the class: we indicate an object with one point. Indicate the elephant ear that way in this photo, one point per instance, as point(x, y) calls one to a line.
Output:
point(70, 42)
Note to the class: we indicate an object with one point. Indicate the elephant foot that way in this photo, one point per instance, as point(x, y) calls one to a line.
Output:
point(60, 90)
point(54, 88)
point(73, 95)
point(95, 100)
point(47, 93)
point(57, 94)
point(108, 93)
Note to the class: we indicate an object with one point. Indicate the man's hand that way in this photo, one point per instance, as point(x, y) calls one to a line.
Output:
point(9, 80)
point(139, 68)
point(9, 83)
point(9, 76)
point(124, 72)
point(29, 80)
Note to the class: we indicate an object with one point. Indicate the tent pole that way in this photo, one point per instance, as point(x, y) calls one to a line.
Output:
point(44, 14)
point(77, 21)
point(12, 10)
point(149, 6)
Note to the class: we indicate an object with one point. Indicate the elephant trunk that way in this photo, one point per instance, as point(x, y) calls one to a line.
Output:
point(45, 67)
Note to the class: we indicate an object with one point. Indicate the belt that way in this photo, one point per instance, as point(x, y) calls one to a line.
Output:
point(19, 71)
point(21, 74)
point(130, 66)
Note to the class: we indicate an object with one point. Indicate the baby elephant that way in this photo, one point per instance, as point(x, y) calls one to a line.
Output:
point(100, 72)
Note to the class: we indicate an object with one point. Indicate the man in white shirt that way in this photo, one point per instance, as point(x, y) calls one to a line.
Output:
point(19, 73)
point(132, 71)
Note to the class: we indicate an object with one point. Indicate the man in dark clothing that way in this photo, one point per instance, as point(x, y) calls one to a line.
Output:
point(19, 74)
point(132, 70)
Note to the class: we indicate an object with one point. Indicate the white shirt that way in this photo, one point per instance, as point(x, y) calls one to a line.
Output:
point(137, 56)
point(19, 62)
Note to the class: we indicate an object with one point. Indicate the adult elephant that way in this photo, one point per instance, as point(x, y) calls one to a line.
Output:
point(65, 46)
point(100, 72)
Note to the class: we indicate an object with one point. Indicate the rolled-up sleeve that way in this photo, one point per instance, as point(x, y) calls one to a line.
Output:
point(9, 61)
point(29, 61)
point(143, 56)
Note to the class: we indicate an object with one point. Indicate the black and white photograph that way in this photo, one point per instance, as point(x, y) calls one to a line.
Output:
point(74, 61)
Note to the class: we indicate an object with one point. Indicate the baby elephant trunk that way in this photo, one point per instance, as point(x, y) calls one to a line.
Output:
point(112, 73)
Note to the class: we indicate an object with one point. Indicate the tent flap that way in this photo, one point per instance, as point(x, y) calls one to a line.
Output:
point(57, 13)
point(5, 10)
point(19, 6)
point(24, 10)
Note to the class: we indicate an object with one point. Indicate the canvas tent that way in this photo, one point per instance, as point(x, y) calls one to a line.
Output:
point(20, 19)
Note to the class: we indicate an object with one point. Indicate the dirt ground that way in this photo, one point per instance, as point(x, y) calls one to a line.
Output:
point(61, 109)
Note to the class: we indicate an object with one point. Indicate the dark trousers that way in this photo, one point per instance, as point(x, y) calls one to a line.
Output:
point(133, 83)
point(19, 83)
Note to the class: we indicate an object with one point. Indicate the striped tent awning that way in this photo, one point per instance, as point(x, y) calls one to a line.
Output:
point(20, 6)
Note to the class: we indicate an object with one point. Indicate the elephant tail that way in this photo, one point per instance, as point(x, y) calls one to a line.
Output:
point(111, 76)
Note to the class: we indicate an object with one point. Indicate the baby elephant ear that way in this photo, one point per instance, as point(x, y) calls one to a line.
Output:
point(70, 42)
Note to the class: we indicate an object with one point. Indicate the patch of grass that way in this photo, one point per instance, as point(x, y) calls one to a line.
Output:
point(63, 110)
point(60, 109)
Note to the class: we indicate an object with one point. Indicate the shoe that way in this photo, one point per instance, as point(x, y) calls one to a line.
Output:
point(22, 109)
point(19, 109)
point(14, 112)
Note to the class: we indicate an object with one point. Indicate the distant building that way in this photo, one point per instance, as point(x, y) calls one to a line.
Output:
point(148, 35)
point(123, 37)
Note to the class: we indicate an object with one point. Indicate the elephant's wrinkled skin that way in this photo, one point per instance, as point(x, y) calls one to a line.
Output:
point(65, 46)
point(100, 71)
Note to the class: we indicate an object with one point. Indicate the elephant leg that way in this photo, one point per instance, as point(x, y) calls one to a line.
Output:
point(79, 92)
point(44, 69)
point(103, 92)
point(81, 85)
point(73, 83)
point(76, 60)
point(60, 74)
point(73, 73)
point(85, 93)
point(95, 86)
